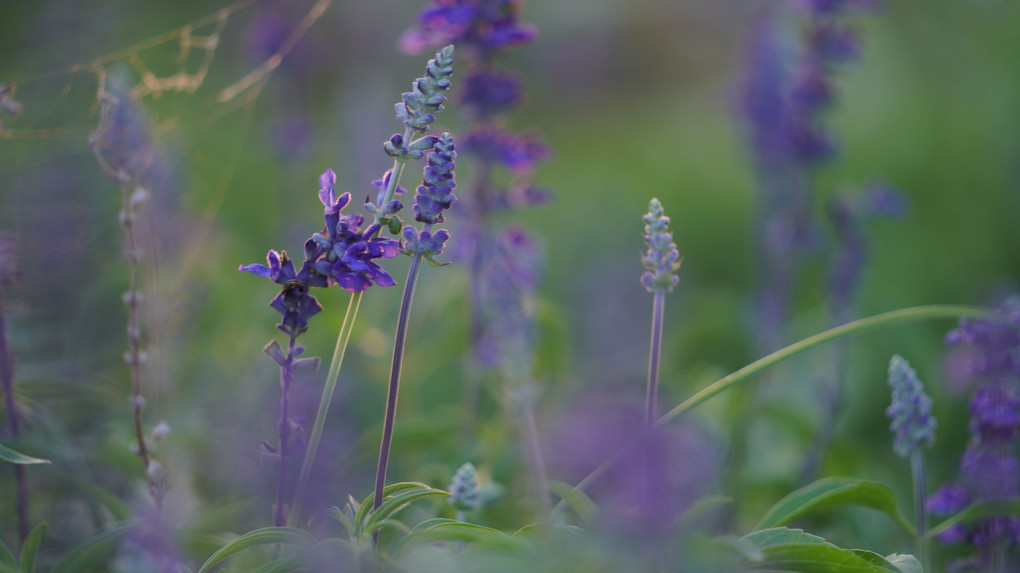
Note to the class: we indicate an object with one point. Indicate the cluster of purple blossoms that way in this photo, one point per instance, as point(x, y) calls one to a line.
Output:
point(434, 196)
point(342, 254)
point(989, 468)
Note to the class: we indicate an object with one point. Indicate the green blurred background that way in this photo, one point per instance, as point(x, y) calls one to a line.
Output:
point(637, 99)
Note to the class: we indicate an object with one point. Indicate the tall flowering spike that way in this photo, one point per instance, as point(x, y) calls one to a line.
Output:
point(662, 258)
point(436, 194)
point(427, 95)
point(989, 468)
point(464, 492)
point(913, 426)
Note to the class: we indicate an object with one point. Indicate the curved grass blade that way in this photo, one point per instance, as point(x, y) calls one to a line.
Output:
point(831, 492)
point(264, 536)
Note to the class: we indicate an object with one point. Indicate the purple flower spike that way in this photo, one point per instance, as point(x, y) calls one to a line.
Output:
point(989, 468)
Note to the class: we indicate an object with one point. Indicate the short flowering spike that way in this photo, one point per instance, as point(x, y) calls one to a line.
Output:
point(913, 426)
point(662, 258)
point(464, 492)
point(426, 97)
point(436, 194)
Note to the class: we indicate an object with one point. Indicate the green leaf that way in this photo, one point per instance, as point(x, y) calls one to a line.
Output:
point(450, 531)
point(831, 492)
point(905, 563)
point(30, 548)
point(378, 525)
point(15, 457)
point(978, 511)
point(747, 549)
point(94, 551)
point(576, 499)
point(283, 565)
point(264, 536)
point(6, 557)
point(395, 503)
point(365, 507)
point(793, 551)
point(702, 506)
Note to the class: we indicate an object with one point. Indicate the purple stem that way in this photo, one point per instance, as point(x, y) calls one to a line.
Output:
point(394, 386)
point(7, 379)
point(286, 376)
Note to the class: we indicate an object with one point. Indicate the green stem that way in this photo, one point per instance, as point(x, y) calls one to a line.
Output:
point(327, 396)
point(894, 317)
point(920, 515)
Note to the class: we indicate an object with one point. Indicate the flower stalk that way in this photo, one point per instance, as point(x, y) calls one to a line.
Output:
point(9, 275)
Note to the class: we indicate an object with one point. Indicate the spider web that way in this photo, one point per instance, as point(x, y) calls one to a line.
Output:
point(63, 108)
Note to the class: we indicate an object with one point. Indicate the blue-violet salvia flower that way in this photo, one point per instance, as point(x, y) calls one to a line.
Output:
point(662, 258)
point(464, 492)
point(913, 426)
point(294, 301)
point(436, 194)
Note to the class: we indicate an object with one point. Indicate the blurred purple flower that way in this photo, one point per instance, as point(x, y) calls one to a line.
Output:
point(848, 216)
point(10, 270)
point(683, 463)
point(486, 25)
point(913, 426)
point(517, 153)
point(486, 92)
point(989, 468)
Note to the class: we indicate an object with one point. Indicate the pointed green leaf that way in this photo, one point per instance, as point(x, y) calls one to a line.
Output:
point(744, 547)
point(283, 565)
point(454, 531)
point(702, 506)
point(93, 551)
point(30, 548)
point(15, 457)
point(576, 499)
point(978, 511)
point(831, 492)
point(905, 563)
point(365, 507)
point(395, 503)
point(264, 536)
point(379, 525)
point(793, 551)
point(6, 557)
